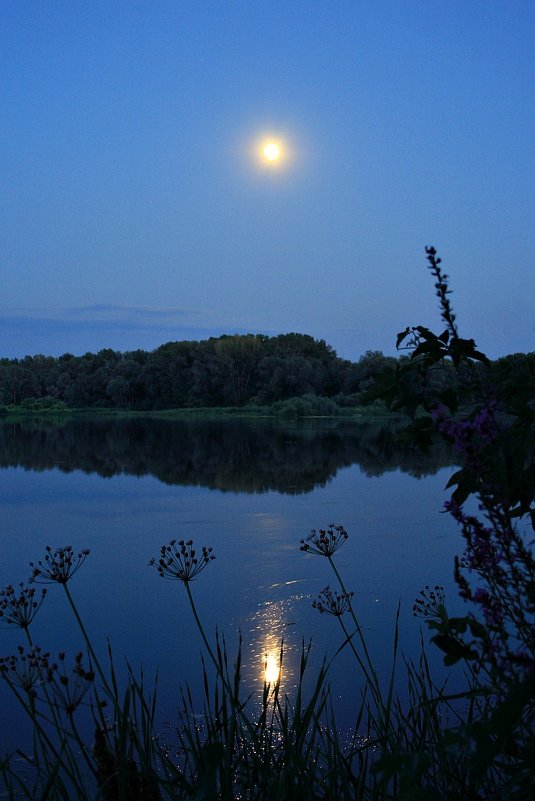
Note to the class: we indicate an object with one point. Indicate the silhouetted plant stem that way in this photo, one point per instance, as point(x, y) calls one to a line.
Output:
point(89, 646)
point(358, 627)
point(366, 664)
point(232, 692)
point(81, 745)
point(41, 740)
point(200, 628)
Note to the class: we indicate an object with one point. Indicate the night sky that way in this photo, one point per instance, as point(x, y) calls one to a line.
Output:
point(135, 207)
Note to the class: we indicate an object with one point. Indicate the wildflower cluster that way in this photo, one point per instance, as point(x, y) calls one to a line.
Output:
point(28, 669)
point(333, 603)
point(59, 565)
point(324, 542)
point(468, 436)
point(497, 554)
point(496, 572)
point(69, 691)
point(430, 602)
point(179, 560)
point(19, 607)
point(486, 546)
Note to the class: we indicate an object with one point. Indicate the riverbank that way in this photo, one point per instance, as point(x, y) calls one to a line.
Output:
point(285, 411)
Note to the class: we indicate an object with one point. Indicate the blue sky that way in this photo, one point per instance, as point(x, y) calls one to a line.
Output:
point(134, 209)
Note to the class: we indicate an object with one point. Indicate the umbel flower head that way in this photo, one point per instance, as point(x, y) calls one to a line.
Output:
point(28, 669)
point(430, 602)
point(333, 603)
point(19, 607)
point(59, 565)
point(179, 560)
point(325, 542)
point(69, 690)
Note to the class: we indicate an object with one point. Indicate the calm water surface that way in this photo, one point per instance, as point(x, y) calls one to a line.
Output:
point(251, 491)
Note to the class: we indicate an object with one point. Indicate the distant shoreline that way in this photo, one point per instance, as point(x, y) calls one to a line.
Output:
point(358, 413)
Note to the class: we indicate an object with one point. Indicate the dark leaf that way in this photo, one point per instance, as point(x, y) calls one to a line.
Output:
point(453, 648)
point(402, 335)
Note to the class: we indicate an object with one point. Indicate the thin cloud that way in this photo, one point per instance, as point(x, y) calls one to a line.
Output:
point(53, 332)
point(102, 311)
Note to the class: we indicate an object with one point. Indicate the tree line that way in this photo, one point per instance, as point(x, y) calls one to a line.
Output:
point(231, 371)
point(223, 371)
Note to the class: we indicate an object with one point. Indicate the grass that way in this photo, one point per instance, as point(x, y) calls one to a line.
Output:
point(230, 747)
point(361, 413)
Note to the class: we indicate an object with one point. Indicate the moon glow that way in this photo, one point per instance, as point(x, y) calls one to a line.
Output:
point(272, 668)
point(271, 151)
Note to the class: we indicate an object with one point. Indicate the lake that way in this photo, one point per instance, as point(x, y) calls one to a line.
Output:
point(249, 489)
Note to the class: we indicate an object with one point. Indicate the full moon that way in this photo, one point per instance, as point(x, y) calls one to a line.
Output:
point(271, 151)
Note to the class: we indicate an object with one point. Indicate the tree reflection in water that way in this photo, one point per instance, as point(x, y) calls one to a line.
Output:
point(231, 455)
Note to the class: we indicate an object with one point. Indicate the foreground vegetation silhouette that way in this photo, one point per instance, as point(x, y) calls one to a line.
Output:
point(476, 744)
